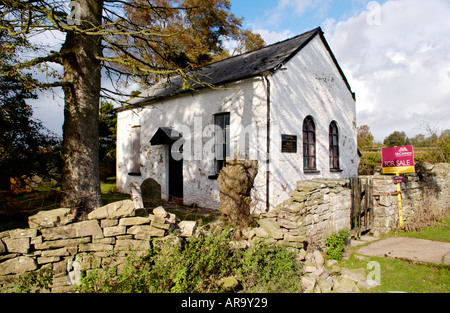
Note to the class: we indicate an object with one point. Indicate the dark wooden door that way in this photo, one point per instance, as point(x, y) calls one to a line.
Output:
point(175, 176)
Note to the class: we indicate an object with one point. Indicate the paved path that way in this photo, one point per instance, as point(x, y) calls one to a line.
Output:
point(414, 249)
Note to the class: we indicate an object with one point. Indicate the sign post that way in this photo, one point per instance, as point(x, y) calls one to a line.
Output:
point(398, 160)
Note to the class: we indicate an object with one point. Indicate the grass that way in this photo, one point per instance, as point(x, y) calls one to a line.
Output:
point(409, 276)
point(440, 232)
point(405, 276)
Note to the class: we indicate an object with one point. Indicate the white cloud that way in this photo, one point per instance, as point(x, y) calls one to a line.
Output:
point(271, 37)
point(297, 7)
point(399, 69)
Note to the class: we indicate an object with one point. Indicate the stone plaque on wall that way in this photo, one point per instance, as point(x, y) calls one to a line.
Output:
point(288, 144)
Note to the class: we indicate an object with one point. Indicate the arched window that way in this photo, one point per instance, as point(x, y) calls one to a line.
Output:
point(309, 144)
point(334, 146)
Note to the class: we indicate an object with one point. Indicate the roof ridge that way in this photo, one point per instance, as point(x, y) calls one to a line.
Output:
point(317, 29)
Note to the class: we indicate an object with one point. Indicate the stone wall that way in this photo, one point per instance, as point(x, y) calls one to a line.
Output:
point(55, 241)
point(316, 209)
point(427, 189)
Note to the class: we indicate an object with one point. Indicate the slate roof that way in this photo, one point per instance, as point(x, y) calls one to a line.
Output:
point(250, 64)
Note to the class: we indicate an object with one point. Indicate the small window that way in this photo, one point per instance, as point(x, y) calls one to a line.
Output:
point(309, 144)
point(334, 146)
point(136, 150)
point(222, 145)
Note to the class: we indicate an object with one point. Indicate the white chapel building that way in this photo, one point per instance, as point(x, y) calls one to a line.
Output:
point(287, 105)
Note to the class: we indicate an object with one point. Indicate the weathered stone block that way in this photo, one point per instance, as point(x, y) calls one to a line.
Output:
point(61, 243)
point(17, 245)
point(2, 247)
point(46, 260)
point(261, 233)
point(17, 265)
point(114, 210)
point(114, 231)
point(271, 228)
point(187, 228)
point(93, 247)
point(108, 223)
point(157, 219)
point(288, 224)
point(125, 245)
point(299, 196)
point(160, 225)
point(53, 218)
point(23, 233)
point(160, 211)
point(145, 232)
point(108, 241)
point(81, 229)
point(56, 252)
point(133, 221)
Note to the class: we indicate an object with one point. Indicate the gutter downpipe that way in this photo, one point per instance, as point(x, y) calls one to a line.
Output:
point(266, 77)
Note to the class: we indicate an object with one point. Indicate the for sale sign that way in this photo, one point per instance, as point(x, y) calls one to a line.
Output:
point(398, 160)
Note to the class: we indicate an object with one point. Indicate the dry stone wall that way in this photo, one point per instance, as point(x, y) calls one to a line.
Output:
point(54, 240)
point(427, 189)
point(316, 209)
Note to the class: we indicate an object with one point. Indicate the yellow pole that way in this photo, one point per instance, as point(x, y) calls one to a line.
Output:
point(400, 210)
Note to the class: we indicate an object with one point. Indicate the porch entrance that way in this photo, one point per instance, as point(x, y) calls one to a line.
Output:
point(169, 137)
point(175, 176)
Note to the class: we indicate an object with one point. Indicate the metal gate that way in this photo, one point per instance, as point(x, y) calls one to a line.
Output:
point(362, 216)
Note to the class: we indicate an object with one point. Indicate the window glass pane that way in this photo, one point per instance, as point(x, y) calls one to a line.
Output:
point(309, 144)
point(221, 148)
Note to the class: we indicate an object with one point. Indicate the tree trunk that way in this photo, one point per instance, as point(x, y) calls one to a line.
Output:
point(82, 71)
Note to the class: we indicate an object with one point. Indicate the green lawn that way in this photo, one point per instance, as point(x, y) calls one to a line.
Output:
point(407, 276)
point(440, 232)
point(403, 275)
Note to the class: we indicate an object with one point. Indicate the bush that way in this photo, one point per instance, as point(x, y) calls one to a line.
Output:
point(269, 268)
point(336, 244)
point(197, 265)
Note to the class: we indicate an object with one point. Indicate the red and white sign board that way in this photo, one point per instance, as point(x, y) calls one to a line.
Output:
point(398, 160)
point(399, 179)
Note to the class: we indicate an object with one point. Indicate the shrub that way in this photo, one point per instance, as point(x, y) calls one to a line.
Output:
point(197, 265)
point(336, 244)
point(169, 266)
point(269, 268)
point(35, 281)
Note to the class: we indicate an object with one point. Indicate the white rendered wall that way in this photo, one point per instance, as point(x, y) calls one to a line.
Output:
point(310, 84)
point(191, 114)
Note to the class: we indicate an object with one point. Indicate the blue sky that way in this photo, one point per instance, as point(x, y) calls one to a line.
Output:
point(394, 53)
point(295, 16)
